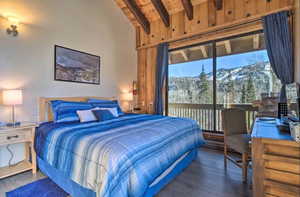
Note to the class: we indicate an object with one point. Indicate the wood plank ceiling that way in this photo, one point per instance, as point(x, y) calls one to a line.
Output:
point(143, 12)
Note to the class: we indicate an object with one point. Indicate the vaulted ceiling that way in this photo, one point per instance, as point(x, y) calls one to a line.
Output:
point(143, 12)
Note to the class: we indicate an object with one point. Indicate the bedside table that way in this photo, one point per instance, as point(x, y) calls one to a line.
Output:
point(14, 135)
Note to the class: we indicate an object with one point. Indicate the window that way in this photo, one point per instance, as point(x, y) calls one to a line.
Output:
point(204, 79)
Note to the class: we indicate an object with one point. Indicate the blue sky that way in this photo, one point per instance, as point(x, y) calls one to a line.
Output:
point(194, 68)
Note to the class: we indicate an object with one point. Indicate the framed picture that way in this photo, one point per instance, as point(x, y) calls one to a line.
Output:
point(76, 66)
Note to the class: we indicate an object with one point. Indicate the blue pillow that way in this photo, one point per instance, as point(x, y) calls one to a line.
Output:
point(102, 101)
point(106, 104)
point(65, 111)
point(103, 115)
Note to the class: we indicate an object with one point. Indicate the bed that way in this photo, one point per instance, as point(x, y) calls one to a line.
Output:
point(132, 155)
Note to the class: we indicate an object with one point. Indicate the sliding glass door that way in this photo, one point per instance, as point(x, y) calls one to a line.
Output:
point(207, 78)
point(190, 82)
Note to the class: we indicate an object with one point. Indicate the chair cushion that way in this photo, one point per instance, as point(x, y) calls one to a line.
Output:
point(239, 142)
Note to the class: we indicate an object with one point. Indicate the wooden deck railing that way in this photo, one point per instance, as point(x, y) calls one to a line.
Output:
point(204, 114)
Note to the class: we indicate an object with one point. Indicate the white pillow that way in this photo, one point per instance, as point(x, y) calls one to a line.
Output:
point(113, 111)
point(86, 115)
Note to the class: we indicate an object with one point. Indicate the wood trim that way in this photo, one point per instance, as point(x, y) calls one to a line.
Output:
point(258, 167)
point(45, 112)
point(188, 8)
point(240, 22)
point(140, 17)
point(219, 4)
point(162, 11)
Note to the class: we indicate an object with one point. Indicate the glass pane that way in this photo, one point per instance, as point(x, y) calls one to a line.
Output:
point(191, 85)
point(244, 74)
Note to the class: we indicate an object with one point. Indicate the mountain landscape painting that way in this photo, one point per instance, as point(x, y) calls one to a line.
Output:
point(75, 66)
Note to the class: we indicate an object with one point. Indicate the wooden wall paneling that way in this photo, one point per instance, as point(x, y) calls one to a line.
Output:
point(203, 16)
point(178, 24)
point(142, 78)
point(165, 32)
point(211, 14)
point(284, 3)
point(155, 31)
point(273, 5)
point(239, 11)
point(150, 78)
point(250, 6)
point(229, 11)
point(200, 20)
point(261, 6)
point(137, 37)
point(144, 38)
point(220, 15)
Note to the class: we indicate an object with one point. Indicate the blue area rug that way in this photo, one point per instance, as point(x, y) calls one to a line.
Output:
point(41, 188)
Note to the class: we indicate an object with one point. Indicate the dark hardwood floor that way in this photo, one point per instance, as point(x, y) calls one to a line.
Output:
point(205, 177)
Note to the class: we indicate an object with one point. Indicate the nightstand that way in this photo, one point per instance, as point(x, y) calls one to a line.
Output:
point(14, 135)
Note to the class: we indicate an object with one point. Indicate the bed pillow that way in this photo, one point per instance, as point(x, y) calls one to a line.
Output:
point(112, 110)
point(106, 104)
point(103, 114)
point(86, 115)
point(102, 101)
point(65, 111)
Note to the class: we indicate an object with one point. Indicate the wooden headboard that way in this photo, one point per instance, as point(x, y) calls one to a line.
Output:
point(45, 112)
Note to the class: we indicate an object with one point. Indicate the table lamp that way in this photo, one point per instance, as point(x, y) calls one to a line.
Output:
point(12, 98)
point(127, 97)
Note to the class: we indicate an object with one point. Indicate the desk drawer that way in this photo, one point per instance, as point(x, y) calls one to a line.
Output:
point(15, 137)
point(283, 177)
point(287, 151)
point(281, 190)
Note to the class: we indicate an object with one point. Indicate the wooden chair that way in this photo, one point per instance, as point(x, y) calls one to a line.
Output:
point(236, 138)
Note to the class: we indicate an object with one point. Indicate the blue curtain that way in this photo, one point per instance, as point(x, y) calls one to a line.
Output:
point(161, 76)
point(280, 49)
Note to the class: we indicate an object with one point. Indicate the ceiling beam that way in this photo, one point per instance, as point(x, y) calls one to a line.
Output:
point(162, 11)
point(204, 52)
point(228, 46)
point(219, 4)
point(256, 41)
point(140, 17)
point(188, 7)
point(184, 55)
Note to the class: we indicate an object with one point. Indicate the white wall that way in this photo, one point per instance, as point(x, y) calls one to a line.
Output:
point(94, 26)
point(297, 41)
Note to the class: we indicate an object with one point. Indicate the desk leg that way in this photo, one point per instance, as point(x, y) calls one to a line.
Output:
point(258, 167)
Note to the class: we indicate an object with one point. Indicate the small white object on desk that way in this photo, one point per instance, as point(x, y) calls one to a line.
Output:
point(295, 131)
point(22, 134)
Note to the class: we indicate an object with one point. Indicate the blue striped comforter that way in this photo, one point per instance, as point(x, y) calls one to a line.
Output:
point(119, 157)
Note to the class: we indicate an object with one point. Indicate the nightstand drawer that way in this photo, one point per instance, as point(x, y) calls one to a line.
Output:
point(15, 137)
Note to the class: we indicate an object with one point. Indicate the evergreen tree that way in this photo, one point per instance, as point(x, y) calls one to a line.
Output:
point(243, 94)
point(229, 88)
point(203, 87)
point(250, 89)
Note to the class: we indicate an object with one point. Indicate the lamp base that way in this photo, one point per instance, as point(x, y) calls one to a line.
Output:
point(13, 124)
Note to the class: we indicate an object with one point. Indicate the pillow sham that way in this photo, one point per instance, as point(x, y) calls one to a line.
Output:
point(65, 111)
point(112, 110)
point(106, 104)
point(103, 114)
point(86, 115)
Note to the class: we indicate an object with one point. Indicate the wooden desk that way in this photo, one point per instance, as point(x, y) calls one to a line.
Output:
point(276, 161)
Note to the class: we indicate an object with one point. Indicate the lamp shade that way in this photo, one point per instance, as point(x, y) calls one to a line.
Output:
point(127, 96)
point(12, 97)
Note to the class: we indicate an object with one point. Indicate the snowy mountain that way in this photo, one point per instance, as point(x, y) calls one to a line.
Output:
point(186, 89)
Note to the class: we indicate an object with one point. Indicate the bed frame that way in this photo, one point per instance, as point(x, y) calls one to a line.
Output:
point(45, 112)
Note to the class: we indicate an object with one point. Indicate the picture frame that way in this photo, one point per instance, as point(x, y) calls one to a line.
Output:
point(72, 65)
